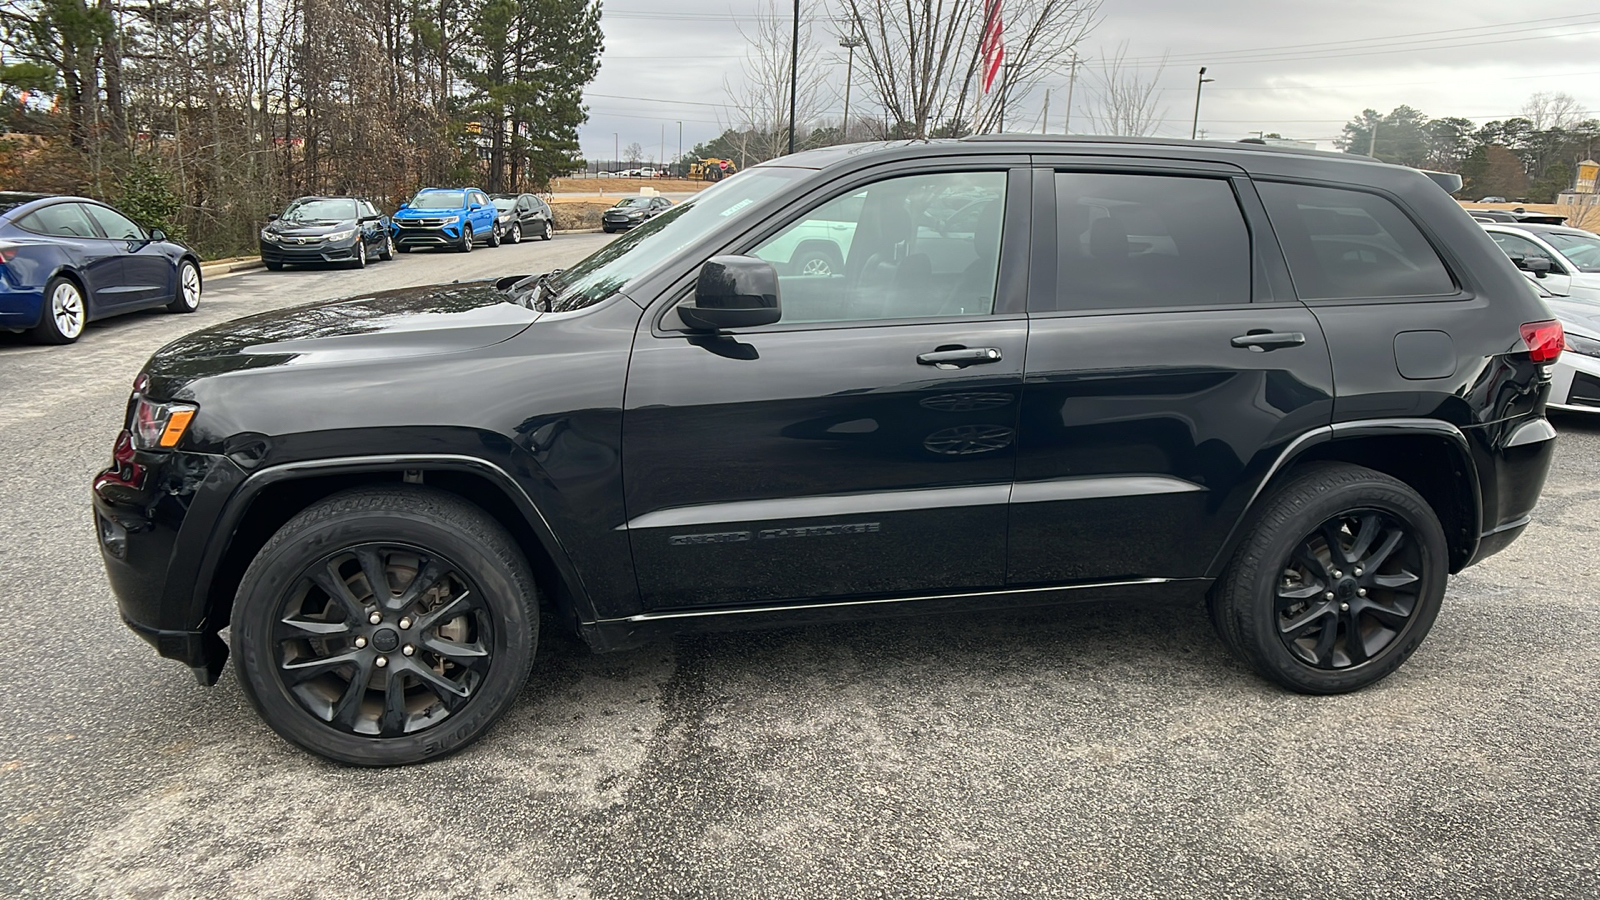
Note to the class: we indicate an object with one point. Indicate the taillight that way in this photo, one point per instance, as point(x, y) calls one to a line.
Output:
point(8, 251)
point(1544, 340)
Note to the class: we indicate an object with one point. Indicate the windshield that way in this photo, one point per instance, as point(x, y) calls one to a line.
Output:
point(1582, 249)
point(633, 201)
point(611, 268)
point(502, 203)
point(438, 200)
point(318, 210)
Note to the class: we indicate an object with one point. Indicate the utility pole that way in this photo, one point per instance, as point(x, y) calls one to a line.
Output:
point(1195, 128)
point(850, 42)
point(1072, 77)
point(616, 153)
point(794, 71)
point(1372, 144)
point(679, 161)
point(1044, 119)
point(663, 156)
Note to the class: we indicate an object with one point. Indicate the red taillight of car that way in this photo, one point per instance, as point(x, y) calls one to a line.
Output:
point(1544, 339)
point(8, 251)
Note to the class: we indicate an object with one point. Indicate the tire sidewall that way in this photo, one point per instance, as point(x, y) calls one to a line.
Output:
point(280, 565)
point(466, 238)
point(1257, 616)
point(47, 330)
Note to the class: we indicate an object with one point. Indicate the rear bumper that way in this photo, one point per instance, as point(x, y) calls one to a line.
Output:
point(1513, 459)
point(19, 308)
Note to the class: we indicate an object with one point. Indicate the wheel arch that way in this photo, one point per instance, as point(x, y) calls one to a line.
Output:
point(1430, 456)
point(270, 498)
point(73, 275)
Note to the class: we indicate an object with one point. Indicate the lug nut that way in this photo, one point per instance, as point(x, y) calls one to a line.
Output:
point(1362, 592)
point(408, 650)
point(1344, 607)
point(360, 642)
point(375, 618)
point(1358, 571)
point(1338, 574)
point(1328, 596)
point(405, 623)
point(381, 661)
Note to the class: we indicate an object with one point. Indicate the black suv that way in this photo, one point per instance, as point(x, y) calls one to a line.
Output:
point(1306, 387)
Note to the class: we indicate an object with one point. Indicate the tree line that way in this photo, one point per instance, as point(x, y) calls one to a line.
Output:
point(1530, 156)
point(202, 116)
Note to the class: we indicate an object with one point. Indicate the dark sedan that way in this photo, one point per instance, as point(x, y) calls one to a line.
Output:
point(65, 261)
point(631, 211)
point(326, 230)
point(522, 216)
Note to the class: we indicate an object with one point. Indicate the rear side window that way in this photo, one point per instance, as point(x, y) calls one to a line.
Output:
point(1139, 241)
point(1348, 245)
point(60, 220)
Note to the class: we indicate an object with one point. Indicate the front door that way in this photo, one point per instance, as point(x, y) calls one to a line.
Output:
point(147, 273)
point(1168, 365)
point(864, 445)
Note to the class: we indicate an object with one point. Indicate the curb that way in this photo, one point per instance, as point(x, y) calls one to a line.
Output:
point(225, 266)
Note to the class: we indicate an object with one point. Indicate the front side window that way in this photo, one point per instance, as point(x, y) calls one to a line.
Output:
point(60, 220)
point(1583, 250)
point(1346, 245)
point(917, 246)
point(1518, 247)
point(116, 226)
point(1138, 241)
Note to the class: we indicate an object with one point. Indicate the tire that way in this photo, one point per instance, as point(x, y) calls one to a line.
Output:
point(360, 260)
point(494, 236)
point(608, 229)
point(1289, 604)
point(402, 248)
point(466, 669)
point(466, 239)
point(549, 231)
point(387, 253)
point(273, 265)
point(816, 260)
point(515, 236)
point(189, 289)
point(64, 313)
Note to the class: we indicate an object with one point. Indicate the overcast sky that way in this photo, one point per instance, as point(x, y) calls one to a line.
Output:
point(1301, 69)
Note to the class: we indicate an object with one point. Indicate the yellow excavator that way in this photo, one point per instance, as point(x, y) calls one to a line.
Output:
point(711, 169)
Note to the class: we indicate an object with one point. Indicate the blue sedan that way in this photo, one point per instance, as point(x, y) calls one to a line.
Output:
point(65, 261)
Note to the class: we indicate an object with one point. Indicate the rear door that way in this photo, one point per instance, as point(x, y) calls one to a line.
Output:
point(1168, 366)
point(865, 444)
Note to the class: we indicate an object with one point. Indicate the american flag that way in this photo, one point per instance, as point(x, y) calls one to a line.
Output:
point(994, 49)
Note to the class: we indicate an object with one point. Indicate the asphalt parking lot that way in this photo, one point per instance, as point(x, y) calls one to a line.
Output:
point(1090, 751)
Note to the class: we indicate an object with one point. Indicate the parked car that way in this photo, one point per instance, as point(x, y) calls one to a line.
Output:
point(1491, 199)
point(631, 211)
point(326, 230)
point(1518, 215)
point(523, 214)
point(451, 218)
point(1301, 387)
point(1565, 261)
point(1575, 377)
point(66, 261)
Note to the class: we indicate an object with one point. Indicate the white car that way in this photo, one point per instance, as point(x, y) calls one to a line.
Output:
point(1572, 253)
point(1575, 380)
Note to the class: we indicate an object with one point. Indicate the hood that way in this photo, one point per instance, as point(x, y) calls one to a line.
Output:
point(411, 212)
point(312, 228)
point(446, 318)
point(1577, 316)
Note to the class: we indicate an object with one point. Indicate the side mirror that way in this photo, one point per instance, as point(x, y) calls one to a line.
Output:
point(1537, 266)
point(405, 205)
point(272, 217)
point(476, 206)
point(733, 292)
point(157, 234)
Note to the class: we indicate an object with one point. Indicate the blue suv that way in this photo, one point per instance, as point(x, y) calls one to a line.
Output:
point(446, 217)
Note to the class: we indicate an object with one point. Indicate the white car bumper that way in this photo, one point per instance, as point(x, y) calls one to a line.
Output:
point(1575, 384)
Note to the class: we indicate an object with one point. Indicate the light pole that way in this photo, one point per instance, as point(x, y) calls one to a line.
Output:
point(794, 71)
point(615, 152)
point(1072, 79)
point(1195, 128)
point(850, 43)
point(680, 148)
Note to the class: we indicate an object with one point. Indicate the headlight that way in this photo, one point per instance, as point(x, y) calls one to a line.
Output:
point(1583, 346)
point(159, 426)
point(339, 235)
point(268, 236)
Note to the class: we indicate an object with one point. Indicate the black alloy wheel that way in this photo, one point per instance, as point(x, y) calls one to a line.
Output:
point(385, 626)
point(1337, 582)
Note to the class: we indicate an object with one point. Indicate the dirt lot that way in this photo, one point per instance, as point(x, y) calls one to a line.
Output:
point(561, 186)
point(572, 215)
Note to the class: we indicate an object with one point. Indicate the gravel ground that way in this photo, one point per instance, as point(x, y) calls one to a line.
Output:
point(1090, 751)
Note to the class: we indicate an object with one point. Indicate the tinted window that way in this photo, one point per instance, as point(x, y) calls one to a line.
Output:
point(912, 247)
point(116, 225)
point(1349, 244)
point(320, 209)
point(61, 220)
point(1131, 241)
point(439, 200)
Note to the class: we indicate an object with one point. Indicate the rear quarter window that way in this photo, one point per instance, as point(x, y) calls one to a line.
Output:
point(1352, 245)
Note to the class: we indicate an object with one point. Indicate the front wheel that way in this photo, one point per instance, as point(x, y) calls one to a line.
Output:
point(188, 295)
point(549, 231)
point(515, 235)
point(466, 239)
point(494, 236)
point(385, 626)
point(387, 253)
point(1337, 582)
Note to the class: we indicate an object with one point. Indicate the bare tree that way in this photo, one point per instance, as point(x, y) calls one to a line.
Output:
point(1124, 101)
point(758, 105)
point(924, 65)
point(1553, 109)
point(633, 153)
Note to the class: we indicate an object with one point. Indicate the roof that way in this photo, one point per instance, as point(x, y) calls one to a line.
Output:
point(1538, 227)
point(824, 157)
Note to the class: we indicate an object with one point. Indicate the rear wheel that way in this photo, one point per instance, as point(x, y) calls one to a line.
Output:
point(1337, 582)
point(385, 626)
point(64, 314)
point(188, 297)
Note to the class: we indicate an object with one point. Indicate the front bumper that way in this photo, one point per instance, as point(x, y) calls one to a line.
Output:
point(620, 224)
point(410, 236)
point(155, 514)
point(309, 252)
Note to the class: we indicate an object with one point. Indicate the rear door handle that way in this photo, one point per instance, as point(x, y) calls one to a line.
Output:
point(960, 357)
point(1263, 341)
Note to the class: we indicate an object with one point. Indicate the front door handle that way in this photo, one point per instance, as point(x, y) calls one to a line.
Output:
point(1262, 341)
point(959, 357)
